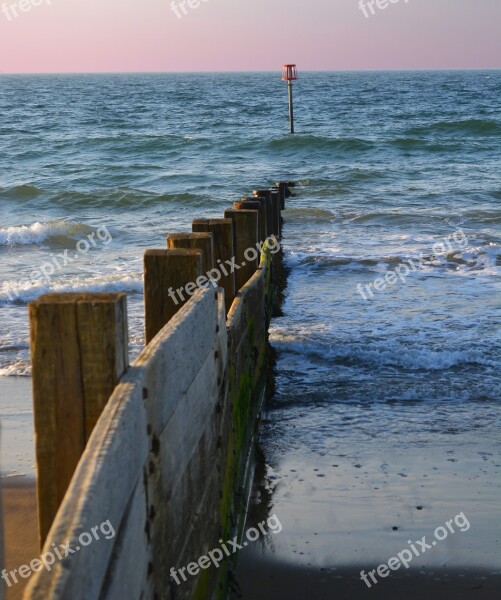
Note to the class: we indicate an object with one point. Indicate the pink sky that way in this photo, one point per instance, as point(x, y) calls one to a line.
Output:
point(133, 35)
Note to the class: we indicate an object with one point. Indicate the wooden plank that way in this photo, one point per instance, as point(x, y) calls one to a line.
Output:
point(172, 361)
point(252, 292)
point(200, 531)
point(191, 417)
point(181, 538)
point(189, 450)
point(254, 302)
point(78, 352)
point(246, 338)
point(166, 274)
point(128, 568)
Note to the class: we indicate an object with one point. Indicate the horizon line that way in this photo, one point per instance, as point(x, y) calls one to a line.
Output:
point(278, 71)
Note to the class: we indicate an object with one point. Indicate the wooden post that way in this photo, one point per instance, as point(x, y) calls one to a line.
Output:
point(222, 238)
point(170, 278)
point(245, 239)
point(273, 214)
point(79, 351)
point(291, 107)
point(264, 227)
point(281, 203)
point(285, 185)
point(281, 186)
point(275, 198)
point(255, 203)
point(270, 221)
point(195, 241)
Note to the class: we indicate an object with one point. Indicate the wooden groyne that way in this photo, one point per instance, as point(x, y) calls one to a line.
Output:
point(158, 449)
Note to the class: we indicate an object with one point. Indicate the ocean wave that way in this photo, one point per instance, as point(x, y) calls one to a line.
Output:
point(15, 292)
point(412, 143)
point(386, 218)
point(132, 144)
point(485, 216)
point(19, 192)
point(380, 354)
point(13, 346)
point(483, 259)
point(311, 215)
point(126, 198)
point(315, 142)
point(466, 126)
point(40, 232)
point(123, 197)
point(354, 175)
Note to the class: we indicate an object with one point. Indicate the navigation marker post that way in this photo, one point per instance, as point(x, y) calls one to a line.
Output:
point(289, 74)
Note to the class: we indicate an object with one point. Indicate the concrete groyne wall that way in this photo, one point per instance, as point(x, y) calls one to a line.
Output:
point(162, 460)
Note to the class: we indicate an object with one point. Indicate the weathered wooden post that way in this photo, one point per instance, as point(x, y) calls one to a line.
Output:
point(282, 188)
point(264, 227)
point(277, 213)
point(170, 278)
point(79, 351)
point(222, 239)
point(287, 185)
point(254, 203)
point(273, 211)
point(281, 202)
point(245, 239)
point(195, 241)
point(270, 220)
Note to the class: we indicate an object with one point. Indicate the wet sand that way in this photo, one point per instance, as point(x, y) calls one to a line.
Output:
point(361, 503)
point(17, 457)
point(20, 529)
point(268, 580)
point(19, 508)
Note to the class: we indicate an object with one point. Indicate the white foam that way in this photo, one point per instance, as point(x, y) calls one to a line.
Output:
point(39, 232)
point(482, 259)
point(381, 353)
point(26, 291)
point(20, 368)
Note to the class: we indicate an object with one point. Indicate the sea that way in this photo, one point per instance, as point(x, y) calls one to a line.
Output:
point(390, 337)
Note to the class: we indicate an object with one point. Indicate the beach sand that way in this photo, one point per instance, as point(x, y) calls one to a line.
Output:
point(268, 580)
point(17, 457)
point(20, 528)
point(351, 511)
point(19, 507)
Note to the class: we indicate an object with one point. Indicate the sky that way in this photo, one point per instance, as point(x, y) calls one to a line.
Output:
point(38, 36)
